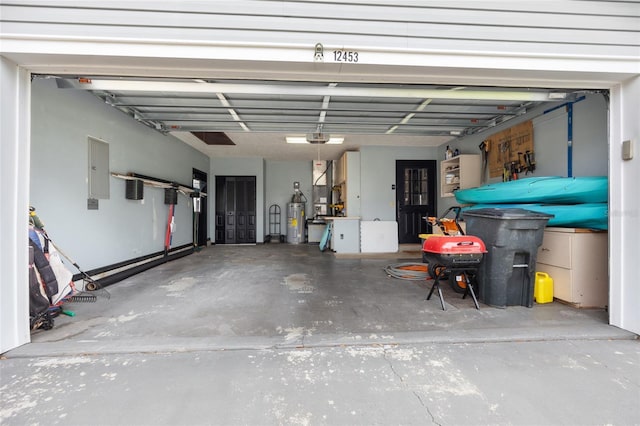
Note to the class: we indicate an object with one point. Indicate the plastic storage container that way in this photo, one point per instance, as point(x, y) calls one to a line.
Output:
point(543, 290)
point(512, 237)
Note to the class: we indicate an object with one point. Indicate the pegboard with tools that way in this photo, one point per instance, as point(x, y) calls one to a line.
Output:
point(510, 152)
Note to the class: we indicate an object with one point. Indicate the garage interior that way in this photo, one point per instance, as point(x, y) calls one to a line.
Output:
point(281, 296)
point(265, 325)
point(228, 120)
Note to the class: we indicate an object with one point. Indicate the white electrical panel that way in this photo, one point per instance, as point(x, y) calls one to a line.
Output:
point(98, 169)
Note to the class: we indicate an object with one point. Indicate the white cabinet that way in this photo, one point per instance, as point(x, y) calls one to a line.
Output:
point(347, 177)
point(577, 260)
point(378, 236)
point(345, 234)
point(463, 171)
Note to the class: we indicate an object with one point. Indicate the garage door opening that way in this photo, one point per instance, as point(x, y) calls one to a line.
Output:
point(400, 119)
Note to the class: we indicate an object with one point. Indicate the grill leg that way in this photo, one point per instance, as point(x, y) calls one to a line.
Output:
point(470, 290)
point(436, 285)
point(441, 298)
point(433, 287)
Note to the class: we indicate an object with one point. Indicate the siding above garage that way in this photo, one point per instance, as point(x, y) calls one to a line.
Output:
point(567, 28)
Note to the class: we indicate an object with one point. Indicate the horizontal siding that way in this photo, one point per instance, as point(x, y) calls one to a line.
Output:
point(559, 27)
point(131, 14)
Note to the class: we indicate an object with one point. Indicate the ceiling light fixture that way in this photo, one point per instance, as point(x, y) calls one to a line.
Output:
point(316, 138)
point(557, 95)
point(305, 140)
point(335, 141)
point(281, 89)
point(296, 139)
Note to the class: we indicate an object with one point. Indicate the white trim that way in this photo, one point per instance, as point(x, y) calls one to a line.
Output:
point(158, 48)
point(14, 171)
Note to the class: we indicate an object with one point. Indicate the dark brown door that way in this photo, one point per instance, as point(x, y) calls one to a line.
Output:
point(235, 209)
point(415, 198)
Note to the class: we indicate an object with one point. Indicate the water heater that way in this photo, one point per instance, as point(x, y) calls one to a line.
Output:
point(295, 223)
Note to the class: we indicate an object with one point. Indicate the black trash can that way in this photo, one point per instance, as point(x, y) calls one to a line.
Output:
point(512, 237)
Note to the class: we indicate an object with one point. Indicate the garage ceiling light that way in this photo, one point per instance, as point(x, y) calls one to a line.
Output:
point(304, 139)
point(282, 89)
point(335, 141)
point(296, 139)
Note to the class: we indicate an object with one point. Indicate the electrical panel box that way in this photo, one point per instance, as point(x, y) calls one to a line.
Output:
point(98, 169)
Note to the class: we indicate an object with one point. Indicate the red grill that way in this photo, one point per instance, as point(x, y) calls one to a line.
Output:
point(455, 250)
point(455, 253)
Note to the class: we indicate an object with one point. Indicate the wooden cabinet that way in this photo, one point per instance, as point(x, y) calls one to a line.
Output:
point(347, 177)
point(459, 172)
point(577, 260)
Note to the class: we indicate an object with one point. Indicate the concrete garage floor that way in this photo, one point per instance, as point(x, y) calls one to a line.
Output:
point(284, 334)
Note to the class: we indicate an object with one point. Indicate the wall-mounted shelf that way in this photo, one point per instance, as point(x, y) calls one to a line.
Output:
point(459, 172)
point(158, 183)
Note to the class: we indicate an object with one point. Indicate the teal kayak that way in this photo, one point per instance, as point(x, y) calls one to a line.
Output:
point(543, 190)
point(587, 215)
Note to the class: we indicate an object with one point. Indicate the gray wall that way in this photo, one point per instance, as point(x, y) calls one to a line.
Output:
point(274, 185)
point(279, 178)
point(590, 137)
point(378, 174)
point(590, 146)
point(120, 229)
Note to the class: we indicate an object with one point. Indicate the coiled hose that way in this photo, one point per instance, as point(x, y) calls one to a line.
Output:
point(408, 271)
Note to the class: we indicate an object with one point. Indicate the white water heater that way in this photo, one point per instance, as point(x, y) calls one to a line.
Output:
point(295, 223)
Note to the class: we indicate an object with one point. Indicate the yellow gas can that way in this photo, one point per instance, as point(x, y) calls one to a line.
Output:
point(543, 289)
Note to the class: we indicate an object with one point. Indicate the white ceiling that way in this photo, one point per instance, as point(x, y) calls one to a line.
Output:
point(273, 146)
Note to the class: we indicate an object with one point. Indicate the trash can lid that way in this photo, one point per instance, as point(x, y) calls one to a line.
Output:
point(507, 213)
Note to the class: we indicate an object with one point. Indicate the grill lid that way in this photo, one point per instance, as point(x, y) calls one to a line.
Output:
point(453, 244)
